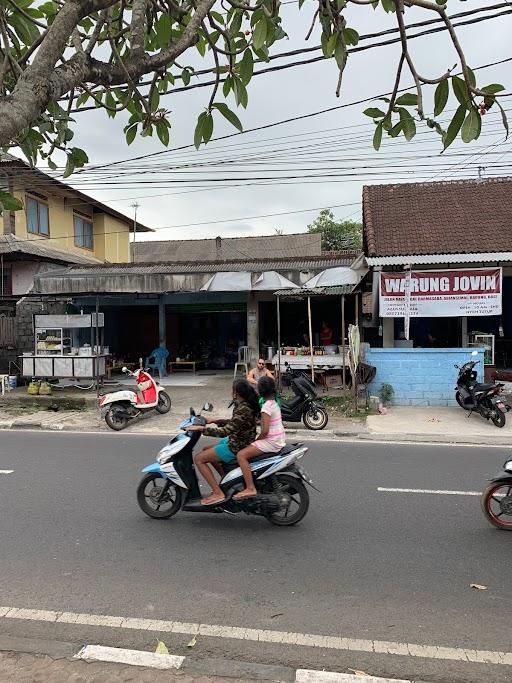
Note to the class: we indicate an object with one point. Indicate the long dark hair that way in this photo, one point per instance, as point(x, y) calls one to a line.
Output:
point(267, 388)
point(245, 391)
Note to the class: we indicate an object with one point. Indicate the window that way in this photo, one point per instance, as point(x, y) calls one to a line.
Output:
point(37, 217)
point(83, 232)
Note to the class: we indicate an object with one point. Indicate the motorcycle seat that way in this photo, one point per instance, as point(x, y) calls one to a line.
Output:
point(229, 466)
point(482, 387)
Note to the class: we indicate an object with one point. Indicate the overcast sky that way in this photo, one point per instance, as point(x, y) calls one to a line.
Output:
point(293, 92)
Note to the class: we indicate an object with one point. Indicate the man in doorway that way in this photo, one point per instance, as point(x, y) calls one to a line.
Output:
point(261, 370)
point(325, 335)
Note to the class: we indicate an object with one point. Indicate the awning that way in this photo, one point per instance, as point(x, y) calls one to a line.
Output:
point(228, 282)
point(270, 280)
point(303, 292)
point(334, 277)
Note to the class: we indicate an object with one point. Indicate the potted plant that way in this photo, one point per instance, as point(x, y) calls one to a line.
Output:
point(386, 394)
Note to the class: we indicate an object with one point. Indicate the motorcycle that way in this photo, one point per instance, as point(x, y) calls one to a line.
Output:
point(482, 398)
point(303, 405)
point(120, 407)
point(496, 500)
point(170, 484)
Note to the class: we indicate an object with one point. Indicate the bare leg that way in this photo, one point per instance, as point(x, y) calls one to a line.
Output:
point(202, 461)
point(243, 458)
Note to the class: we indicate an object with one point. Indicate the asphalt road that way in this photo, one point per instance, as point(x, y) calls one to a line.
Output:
point(363, 564)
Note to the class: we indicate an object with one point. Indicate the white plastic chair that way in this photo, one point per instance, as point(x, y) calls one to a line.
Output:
point(244, 360)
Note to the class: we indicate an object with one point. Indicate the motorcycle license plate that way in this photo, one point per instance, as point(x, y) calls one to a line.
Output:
point(500, 405)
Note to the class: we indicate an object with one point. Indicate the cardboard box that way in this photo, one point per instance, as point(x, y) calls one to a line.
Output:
point(334, 380)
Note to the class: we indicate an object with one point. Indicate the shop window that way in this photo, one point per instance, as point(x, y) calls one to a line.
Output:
point(37, 217)
point(83, 232)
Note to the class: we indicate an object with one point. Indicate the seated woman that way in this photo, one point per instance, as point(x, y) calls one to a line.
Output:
point(270, 440)
point(237, 433)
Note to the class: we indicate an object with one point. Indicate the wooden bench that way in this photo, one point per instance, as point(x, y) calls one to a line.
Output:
point(186, 365)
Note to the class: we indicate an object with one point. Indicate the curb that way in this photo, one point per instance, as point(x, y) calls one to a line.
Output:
point(207, 667)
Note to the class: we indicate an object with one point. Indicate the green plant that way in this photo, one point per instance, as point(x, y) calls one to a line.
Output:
point(386, 393)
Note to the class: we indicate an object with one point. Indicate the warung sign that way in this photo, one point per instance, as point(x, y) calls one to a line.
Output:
point(441, 293)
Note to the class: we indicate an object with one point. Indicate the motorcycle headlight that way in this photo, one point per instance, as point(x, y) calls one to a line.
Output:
point(508, 466)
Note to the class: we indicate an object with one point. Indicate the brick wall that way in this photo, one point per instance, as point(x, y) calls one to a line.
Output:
point(420, 377)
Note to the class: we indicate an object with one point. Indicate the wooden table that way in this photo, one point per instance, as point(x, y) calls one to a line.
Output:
point(186, 365)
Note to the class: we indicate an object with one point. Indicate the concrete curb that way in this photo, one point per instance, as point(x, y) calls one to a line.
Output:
point(189, 666)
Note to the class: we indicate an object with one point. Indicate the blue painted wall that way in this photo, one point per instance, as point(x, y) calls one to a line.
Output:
point(420, 377)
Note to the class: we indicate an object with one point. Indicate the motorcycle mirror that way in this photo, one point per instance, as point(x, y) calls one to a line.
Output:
point(124, 369)
point(208, 407)
point(192, 412)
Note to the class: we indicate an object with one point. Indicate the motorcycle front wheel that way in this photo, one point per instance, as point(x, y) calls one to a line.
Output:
point(158, 497)
point(496, 504)
point(315, 418)
point(499, 418)
point(164, 403)
point(460, 401)
point(297, 500)
point(115, 421)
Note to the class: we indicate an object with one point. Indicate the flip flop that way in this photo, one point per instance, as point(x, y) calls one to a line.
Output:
point(237, 498)
point(215, 502)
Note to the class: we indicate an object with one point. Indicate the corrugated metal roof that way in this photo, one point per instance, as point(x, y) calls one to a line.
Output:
point(10, 244)
point(257, 266)
point(316, 291)
point(484, 257)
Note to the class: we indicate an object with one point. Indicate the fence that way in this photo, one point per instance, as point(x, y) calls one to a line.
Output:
point(7, 331)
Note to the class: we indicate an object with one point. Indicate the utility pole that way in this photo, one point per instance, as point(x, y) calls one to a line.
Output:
point(134, 206)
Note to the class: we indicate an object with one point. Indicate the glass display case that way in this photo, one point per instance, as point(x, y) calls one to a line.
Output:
point(487, 341)
point(49, 341)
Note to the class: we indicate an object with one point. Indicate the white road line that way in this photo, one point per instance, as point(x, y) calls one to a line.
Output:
point(6, 471)
point(308, 676)
point(434, 491)
point(264, 636)
point(99, 653)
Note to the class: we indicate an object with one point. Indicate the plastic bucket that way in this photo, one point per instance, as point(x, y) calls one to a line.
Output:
point(13, 381)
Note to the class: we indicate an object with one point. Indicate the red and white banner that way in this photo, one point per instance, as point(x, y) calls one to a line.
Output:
point(441, 293)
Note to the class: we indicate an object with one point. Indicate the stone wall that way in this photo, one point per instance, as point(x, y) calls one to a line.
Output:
point(420, 377)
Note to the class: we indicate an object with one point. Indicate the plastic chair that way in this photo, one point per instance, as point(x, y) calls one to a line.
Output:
point(244, 360)
point(157, 360)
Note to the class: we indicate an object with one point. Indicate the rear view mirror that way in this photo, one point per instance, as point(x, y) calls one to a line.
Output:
point(124, 369)
point(208, 407)
point(192, 412)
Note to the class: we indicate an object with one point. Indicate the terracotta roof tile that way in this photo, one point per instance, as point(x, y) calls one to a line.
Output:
point(454, 217)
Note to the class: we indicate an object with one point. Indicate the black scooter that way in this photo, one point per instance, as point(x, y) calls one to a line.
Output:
point(482, 398)
point(303, 405)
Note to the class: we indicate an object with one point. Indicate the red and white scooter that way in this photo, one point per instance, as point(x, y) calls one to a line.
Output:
point(119, 407)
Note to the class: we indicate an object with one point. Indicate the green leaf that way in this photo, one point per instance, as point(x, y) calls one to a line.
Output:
point(207, 128)
point(246, 67)
point(259, 34)
point(493, 88)
point(8, 202)
point(163, 31)
point(201, 46)
point(351, 36)
point(70, 167)
point(472, 126)
point(374, 113)
point(217, 16)
point(162, 130)
point(227, 85)
point(408, 99)
point(240, 92)
point(52, 165)
point(340, 53)
point(504, 119)
point(198, 133)
point(229, 115)
point(329, 44)
point(185, 76)
point(472, 79)
point(130, 133)
point(460, 90)
point(455, 126)
point(82, 99)
point(110, 102)
point(408, 124)
point(388, 5)
point(377, 137)
point(154, 101)
point(79, 157)
point(386, 122)
point(396, 130)
point(441, 97)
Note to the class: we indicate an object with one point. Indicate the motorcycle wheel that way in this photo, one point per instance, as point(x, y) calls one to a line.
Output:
point(149, 491)
point(298, 505)
point(115, 422)
point(164, 403)
point(496, 504)
point(460, 401)
point(499, 419)
point(315, 418)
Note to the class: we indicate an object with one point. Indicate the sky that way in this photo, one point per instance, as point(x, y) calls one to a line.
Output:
point(330, 145)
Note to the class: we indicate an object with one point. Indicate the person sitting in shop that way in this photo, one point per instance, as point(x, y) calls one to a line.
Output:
point(261, 370)
point(325, 335)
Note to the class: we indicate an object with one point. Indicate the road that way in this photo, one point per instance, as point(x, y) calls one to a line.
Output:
point(364, 564)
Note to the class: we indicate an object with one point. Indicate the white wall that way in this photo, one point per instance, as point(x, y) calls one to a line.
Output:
point(23, 276)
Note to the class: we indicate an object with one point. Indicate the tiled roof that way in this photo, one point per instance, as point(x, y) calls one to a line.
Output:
point(455, 217)
point(39, 249)
point(229, 248)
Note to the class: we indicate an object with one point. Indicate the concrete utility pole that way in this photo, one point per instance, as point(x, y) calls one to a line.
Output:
point(134, 206)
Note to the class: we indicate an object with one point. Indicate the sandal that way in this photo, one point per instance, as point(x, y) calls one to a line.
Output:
point(213, 502)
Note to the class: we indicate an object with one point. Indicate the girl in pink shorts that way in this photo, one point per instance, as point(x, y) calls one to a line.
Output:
point(270, 440)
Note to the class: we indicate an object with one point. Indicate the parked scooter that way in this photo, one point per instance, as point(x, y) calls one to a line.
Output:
point(497, 499)
point(120, 407)
point(303, 406)
point(171, 483)
point(482, 398)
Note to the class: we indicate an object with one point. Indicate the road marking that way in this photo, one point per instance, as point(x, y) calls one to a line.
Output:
point(99, 653)
point(6, 471)
point(309, 676)
point(440, 493)
point(263, 636)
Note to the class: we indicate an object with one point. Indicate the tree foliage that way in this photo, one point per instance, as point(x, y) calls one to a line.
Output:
point(337, 235)
point(62, 57)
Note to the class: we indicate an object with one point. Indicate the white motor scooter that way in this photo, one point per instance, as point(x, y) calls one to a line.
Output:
point(119, 407)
